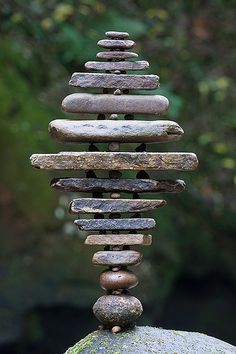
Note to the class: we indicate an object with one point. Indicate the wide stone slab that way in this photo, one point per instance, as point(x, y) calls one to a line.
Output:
point(78, 131)
point(121, 81)
point(115, 224)
point(118, 185)
point(117, 65)
point(163, 161)
point(115, 34)
point(119, 239)
point(116, 258)
point(108, 103)
point(116, 43)
point(116, 55)
point(103, 206)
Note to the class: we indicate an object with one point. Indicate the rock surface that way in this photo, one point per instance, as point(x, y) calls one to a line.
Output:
point(141, 340)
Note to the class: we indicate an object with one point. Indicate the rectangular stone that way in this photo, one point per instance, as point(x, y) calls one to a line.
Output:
point(119, 239)
point(115, 224)
point(116, 258)
point(117, 65)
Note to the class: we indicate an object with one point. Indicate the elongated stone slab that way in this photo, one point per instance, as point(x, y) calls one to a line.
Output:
point(119, 239)
point(126, 104)
point(116, 55)
point(97, 205)
point(117, 185)
point(112, 258)
point(117, 65)
point(164, 161)
point(123, 131)
point(131, 82)
point(116, 43)
point(114, 34)
point(115, 224)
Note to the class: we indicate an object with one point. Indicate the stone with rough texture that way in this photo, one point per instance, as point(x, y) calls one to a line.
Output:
point(117, 185)
point(115, 224)
point(116, 43)
point(78, 131)
point(122, 81)
point(119, 239)
point(117, 65)
point(165, 161)
point(117, 258)
point(108, 103)
point(122, 279)
point(104, 206)
point(115, 34)
point(142, 340)
point(116, 55)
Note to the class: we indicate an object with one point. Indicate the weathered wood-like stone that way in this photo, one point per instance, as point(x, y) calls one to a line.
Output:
point(116, 55)
point(104, 206)
point(119, 239)
point(116, 258)
point(123, 279)
point(123, 82)
point(126, 104)
point(117, 310)
point(117, 65)
point(116, 43)
point(115, 224)
point(114, 34)
point(124, 131)
point(113, 185)
point(163, 161)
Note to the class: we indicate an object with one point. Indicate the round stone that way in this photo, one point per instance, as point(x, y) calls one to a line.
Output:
point(122, 279)
point(117, 310)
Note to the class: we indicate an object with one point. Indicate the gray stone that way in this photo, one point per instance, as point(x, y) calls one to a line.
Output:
point(117, 258)
point(115, 224)
point(116, 43)
point(117, 65)
point(114, 34)
point(116, 55)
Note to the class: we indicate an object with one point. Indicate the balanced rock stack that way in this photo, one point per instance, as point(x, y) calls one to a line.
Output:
point(115, 108)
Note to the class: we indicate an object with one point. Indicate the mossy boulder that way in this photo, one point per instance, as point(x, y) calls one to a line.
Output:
point(142, 340)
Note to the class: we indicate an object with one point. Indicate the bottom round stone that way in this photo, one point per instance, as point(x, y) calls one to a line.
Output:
point(117, 310)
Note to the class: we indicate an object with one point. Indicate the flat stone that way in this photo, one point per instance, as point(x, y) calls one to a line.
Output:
point(163, 161)
point(124, 131)
point(141, 340)
point(122, 279)
point(118, 185)
point(116, 258)
point(119, 239)
point(117, 310)
point(103, 206)
point(116, 43)
point(121, 81)
point(110, 104)
point(115, 224)
point(117, 65)
point(116, 55)
point(114, 34)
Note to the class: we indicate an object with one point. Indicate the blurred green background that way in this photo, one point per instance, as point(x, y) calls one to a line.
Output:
point(188, 277)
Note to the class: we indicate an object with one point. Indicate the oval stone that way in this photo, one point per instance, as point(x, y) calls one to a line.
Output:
point(123, 279)
point(114, 34)
point(117, 310)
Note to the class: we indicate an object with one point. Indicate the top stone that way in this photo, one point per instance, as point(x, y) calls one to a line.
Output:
point(114, 34)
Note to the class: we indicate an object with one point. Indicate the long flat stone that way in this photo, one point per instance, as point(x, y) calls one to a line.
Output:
point(118, 185)
point(122, 81)
point(115, 224)
point(163, 161)
point(112, 258)
point(117, 65)
point(116, 55)
point(116, 43)
point(78, 131)
point(119, 239)
point(108, 103)
point(97, 205)
point(114, 34)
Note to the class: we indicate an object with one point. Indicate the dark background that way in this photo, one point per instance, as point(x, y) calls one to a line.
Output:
point(187, 279)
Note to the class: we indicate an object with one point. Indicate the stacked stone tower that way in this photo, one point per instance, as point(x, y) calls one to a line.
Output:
point(116, 108)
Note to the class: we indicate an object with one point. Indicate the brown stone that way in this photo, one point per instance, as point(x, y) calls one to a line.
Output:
point(115, 224)
point(122, 279)
point(117, 65)
point(116, 55)
point(116, 258)
point(116, 43)
point(114, 34)
point(119, 239)
point(108, 103)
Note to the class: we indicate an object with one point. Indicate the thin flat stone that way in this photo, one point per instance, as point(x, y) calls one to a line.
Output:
point(126, 104)
point(114, 34)
point(70, 160)
point(103, 206)
point(116, 43)
point(119, 239)
point(78, 131)
point(118, 185)
point(116, 55)
point(115, 224)
point(116, 258)
point(117, 65)
point(123, 82)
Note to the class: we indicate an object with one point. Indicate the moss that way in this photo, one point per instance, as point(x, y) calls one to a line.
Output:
point(84, 343)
